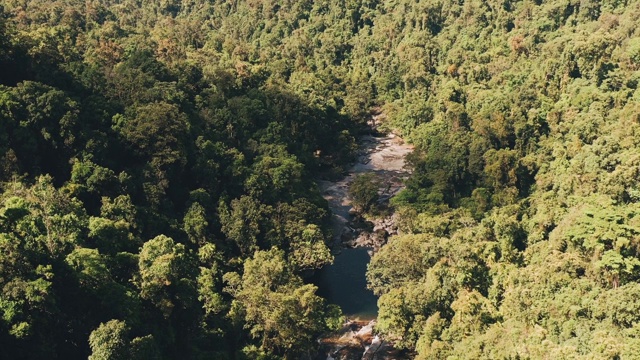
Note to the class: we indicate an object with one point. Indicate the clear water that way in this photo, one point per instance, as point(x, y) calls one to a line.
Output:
point(344, 283)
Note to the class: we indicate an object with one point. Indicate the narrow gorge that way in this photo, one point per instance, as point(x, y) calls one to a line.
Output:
point(356, 238)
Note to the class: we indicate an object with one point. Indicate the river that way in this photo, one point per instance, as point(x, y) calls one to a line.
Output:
point(344, 282)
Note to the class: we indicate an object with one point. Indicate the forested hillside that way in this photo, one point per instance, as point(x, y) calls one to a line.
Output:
point(158, 158)
point(158, 186)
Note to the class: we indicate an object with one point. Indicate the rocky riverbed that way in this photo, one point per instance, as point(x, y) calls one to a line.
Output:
point(383, 156)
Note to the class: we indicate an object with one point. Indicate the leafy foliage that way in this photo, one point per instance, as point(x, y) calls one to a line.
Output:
point(149, 153)
point(363, 191)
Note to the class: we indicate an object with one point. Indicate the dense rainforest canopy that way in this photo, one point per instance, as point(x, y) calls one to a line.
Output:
point(157, 166)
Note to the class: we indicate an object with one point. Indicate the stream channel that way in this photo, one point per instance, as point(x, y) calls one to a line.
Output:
point(355, 240)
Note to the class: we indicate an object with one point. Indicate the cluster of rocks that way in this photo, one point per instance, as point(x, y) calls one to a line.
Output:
point(357, 342)
point(373, 234)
